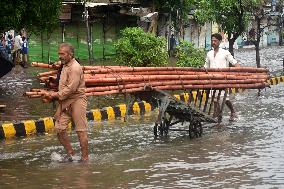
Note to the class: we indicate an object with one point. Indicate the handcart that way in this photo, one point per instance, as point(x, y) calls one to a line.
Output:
point(192, 111)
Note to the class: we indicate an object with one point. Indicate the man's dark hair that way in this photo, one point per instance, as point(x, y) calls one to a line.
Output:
point(217, 36)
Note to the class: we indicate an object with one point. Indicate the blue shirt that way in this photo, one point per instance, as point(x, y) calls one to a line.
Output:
point(25, 47)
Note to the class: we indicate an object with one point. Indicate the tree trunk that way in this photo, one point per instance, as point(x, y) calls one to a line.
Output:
point(104, 39)
point(77, 34)
point(169, 31)
point(231, 46)
point(48, 43)
point(91, 40)
point(258, 35)
point(280, 31)
point(41, 38)
point(234, 36)
point(257, 57)
point(88, 35)
point(63, 33)
point(232, 40)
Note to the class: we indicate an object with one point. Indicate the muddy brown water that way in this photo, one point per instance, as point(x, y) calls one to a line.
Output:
point(247, 153)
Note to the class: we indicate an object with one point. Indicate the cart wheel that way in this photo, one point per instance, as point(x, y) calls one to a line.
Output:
point(164, 127)
point(198, 130)
point(195, 129)
point(155, 130)
point(191, 130)
point(161, 129)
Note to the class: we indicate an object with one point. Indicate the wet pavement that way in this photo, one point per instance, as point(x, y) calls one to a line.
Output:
point(247, 153)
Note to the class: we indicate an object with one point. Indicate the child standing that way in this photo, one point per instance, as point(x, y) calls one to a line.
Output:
point(24, 52)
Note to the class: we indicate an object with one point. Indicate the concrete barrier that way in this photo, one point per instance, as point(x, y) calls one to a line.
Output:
point(276, 80)
point(46, 125)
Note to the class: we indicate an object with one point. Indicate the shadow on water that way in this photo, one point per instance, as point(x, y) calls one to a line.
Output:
point(247, 153)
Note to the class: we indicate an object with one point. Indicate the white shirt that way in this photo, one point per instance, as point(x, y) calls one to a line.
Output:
point(18, 42)
point(221, 60)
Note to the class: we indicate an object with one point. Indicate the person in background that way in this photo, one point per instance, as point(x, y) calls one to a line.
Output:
point(172, 45)
point(220, 58)
point(252, 35)
point(9, 46)
point(24, 52)
point(72, 102)
point(18, 42)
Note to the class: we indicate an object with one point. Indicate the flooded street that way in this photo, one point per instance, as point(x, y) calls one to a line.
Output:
point(248, 153)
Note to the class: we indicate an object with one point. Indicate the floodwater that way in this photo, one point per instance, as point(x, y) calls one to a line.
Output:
point(19, 107)
point(247, 153)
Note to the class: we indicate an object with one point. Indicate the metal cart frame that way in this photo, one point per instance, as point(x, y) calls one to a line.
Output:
point(195, 110)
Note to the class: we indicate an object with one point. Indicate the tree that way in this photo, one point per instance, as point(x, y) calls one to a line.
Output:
point(45, 18)
point(178, 10)
point(34, 15)
point(265, 17)
point(188, 56)
point(138, 48)
point(11, 14)
point(231, 15)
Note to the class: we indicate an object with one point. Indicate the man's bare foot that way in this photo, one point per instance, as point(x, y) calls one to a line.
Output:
point(67, 158)
point(233, 117)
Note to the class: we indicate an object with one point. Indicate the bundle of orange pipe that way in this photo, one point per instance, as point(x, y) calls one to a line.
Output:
point(106, 80)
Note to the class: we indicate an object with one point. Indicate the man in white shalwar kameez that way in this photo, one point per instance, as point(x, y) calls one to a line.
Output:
point(220, 58)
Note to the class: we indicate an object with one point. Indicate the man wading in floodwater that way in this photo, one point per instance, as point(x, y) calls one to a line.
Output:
point(72, 102)
point(220, 58)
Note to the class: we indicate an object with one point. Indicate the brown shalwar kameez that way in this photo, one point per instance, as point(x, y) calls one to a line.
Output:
point(72, 99)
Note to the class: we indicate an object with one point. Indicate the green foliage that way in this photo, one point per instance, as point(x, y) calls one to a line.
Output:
point(188, 56)
point(141, 49)
point(34, 15)
point(44, 17)
point(10, 14)
point(178, 9)
point(231, 15)
point(205, 11)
